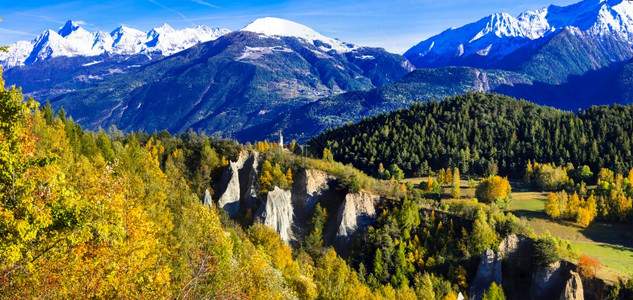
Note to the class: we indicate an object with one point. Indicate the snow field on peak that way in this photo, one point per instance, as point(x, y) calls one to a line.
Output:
point(279, 27)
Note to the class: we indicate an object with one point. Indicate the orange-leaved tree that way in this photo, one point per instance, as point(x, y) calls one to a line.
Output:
point(588, 266)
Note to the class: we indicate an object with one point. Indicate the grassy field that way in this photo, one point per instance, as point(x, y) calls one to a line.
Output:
point(615, 260)
point(610, 243)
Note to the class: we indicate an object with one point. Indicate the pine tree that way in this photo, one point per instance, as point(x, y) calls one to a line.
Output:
point(455, 191)
point(494, 292)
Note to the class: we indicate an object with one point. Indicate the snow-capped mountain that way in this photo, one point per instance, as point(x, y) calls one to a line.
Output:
point(280, 27)
point(241, 80)
point(72, 40)
point(491, 39)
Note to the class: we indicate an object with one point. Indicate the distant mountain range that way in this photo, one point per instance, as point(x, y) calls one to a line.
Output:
point(238, 81)
point(276, 74)
point(550, 44)
point(72, 40)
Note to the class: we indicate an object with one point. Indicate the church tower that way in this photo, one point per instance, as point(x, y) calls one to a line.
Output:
point(281, 139)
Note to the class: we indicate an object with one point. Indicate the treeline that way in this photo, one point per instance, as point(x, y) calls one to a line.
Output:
point(483, 134)
point(611, 200)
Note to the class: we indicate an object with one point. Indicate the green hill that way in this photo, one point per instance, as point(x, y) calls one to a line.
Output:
point(478, 131)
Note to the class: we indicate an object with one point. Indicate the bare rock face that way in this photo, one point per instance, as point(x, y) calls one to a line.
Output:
point(355, 214)
point(573, 289)
point(594, 288)
point(308, 188)
point(230, 199)
point(518, 266)
point(250, 190)
point(317, 183)
point(547, 281)
point(277, 213)
point(509, 245)
point(489, 271)
point(207, 199)
point(239, 184)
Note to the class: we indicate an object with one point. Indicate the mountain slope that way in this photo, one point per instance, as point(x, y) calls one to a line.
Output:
point(238, 81)
point(420, 85)
point(590, 35)
point(47, 79)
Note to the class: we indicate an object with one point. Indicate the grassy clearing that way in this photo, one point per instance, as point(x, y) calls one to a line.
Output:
point(615, 260)
point(608, 242)
point(528, 204)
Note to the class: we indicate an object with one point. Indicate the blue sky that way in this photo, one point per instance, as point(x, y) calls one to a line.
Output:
point(393, 24)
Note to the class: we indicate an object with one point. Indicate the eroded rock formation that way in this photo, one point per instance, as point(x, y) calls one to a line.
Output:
point(277, 213)
point(573, 289)
point(207, 201)
point(310, 187)
point(518, 266)
point(489, 271)
point(230, 199)
point(251, 176)
point(289, 212)
point(356, 213)
point(548, 281)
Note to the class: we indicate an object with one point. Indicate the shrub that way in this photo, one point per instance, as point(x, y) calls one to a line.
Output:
point(350, 183)
point(545, 252)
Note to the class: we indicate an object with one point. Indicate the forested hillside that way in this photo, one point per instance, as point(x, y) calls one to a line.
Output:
point(484, 133)
point(108, 216)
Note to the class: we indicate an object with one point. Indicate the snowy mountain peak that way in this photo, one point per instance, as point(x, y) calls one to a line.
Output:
point(121, 30)
point(498, 35)
point(68, 28)
point(281, 27)
point(270, 26)
point(163, 29)
point(73, 40)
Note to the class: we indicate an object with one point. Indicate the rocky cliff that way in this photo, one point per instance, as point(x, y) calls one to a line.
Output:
point(289, 212)
point(355, 214)
point(489, 271)
point(550, 282)
point(249, 192)
point(230, 183)
point(518, 266)
point(207, 201)
point(573, 288)
point(310, 187)
point(514, 268)
point(277, 213)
